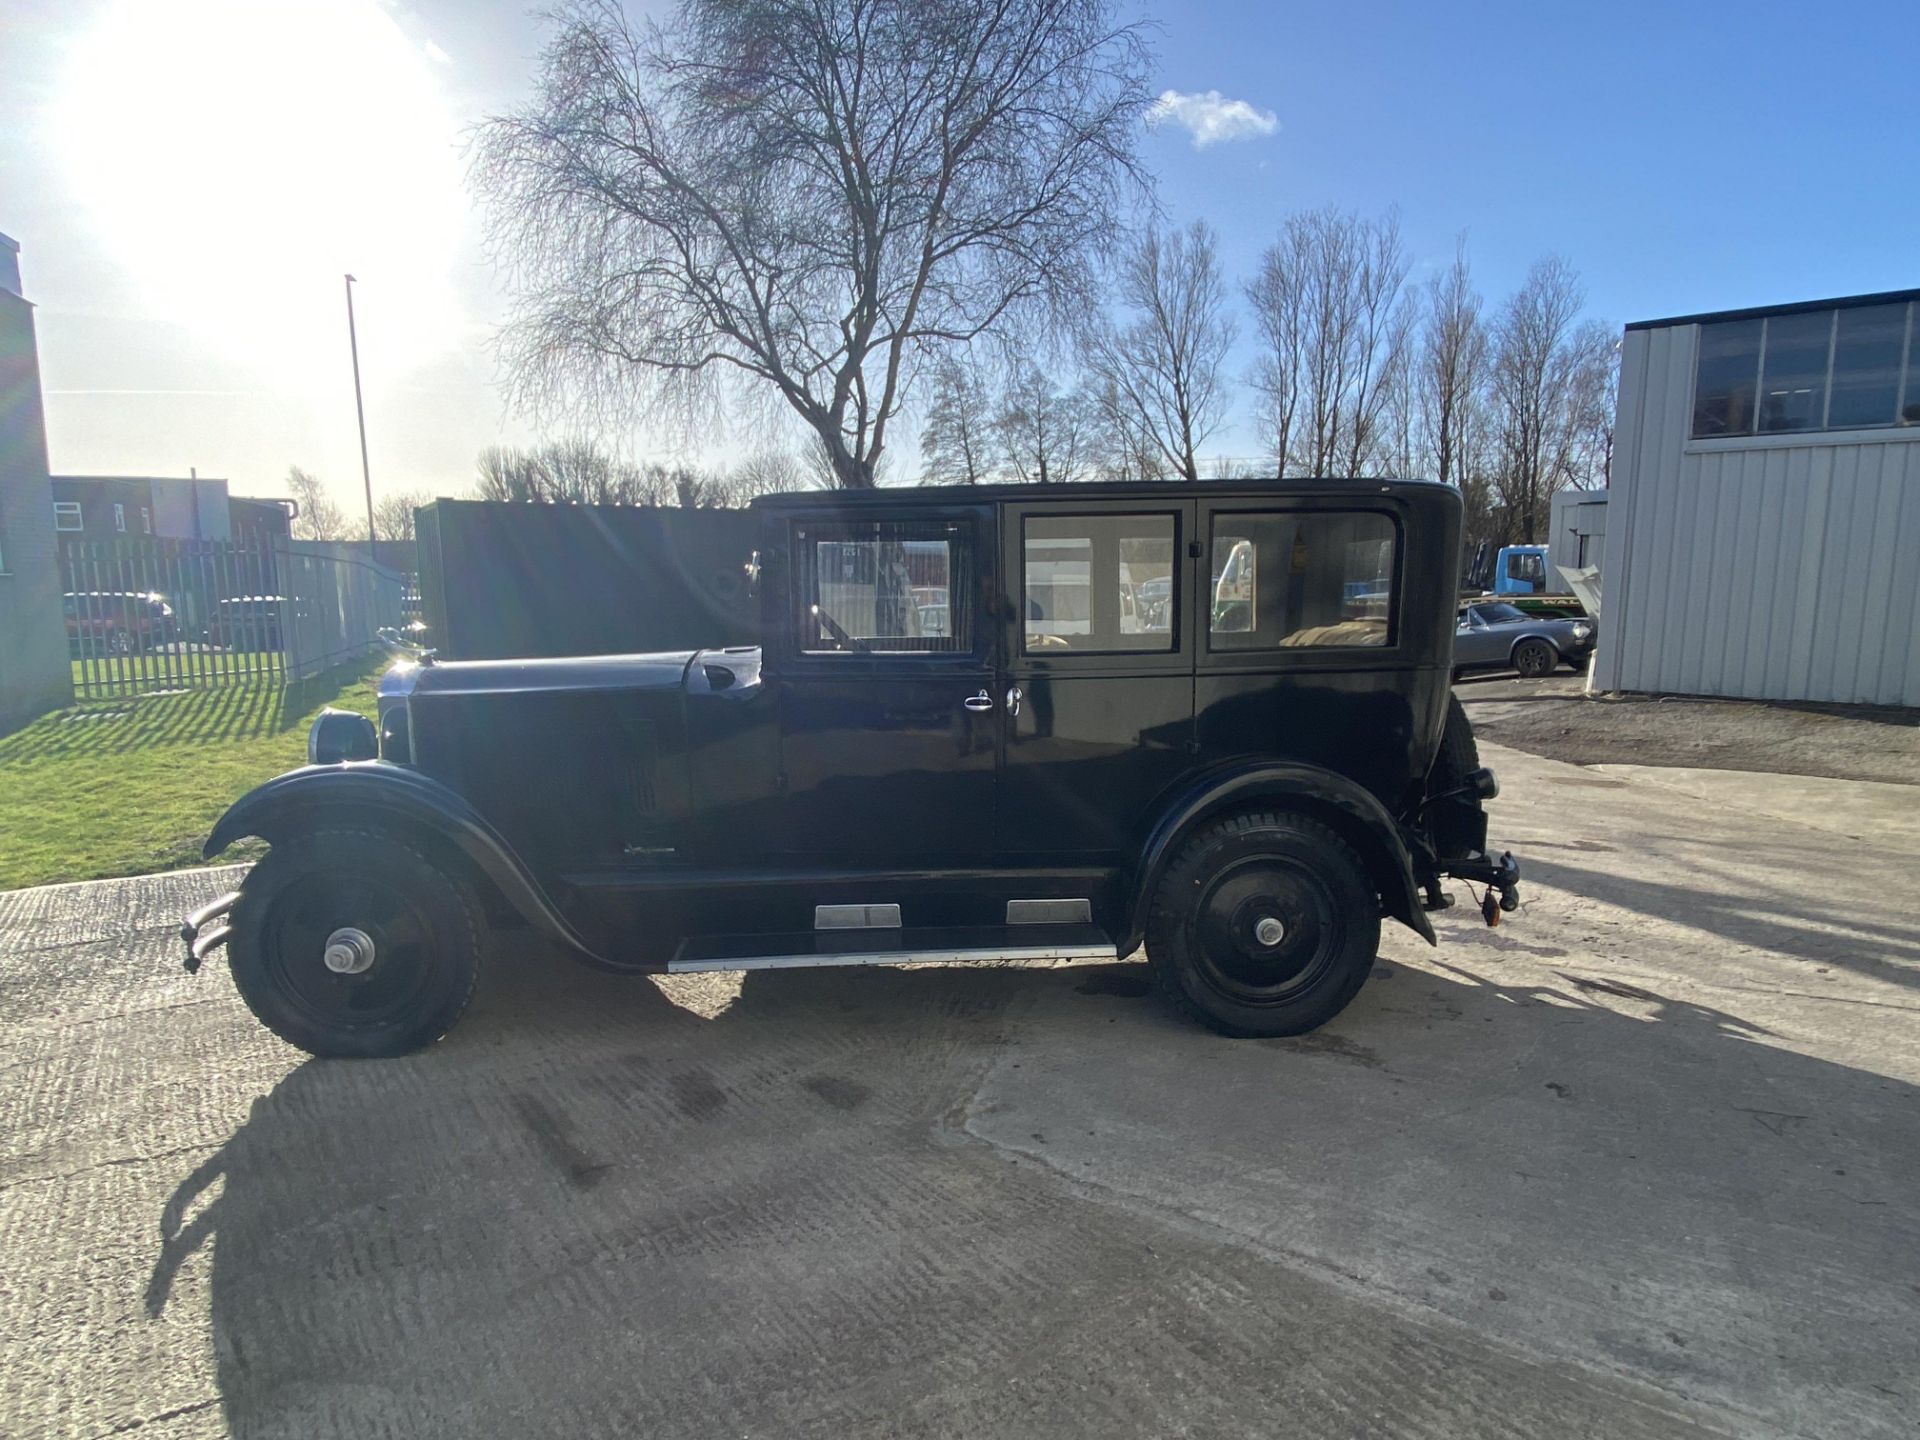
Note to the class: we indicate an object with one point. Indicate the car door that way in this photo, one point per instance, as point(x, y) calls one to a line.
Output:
point(884, 671)
point(1097, 688)
point(1474, 643)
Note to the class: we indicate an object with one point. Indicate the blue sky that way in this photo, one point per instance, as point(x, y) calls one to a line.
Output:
point(1682, 157)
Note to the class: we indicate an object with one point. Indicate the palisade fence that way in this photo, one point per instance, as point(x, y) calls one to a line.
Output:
point(155, 615)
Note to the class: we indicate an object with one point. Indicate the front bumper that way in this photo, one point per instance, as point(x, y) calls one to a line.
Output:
point(206, 929)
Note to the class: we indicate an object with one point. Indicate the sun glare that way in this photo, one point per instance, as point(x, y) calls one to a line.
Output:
point(238, 156)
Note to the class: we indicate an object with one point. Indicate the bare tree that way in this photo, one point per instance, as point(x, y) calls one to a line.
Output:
point(1543, 382)
point(1450, 371)
point(1160, 374)
point(1045, 432)
point(766, 472)
point(318, 518)
point(1594, 397)
point(1328, 303)
point(957, 442)
point(804, 197)
point(393, 514)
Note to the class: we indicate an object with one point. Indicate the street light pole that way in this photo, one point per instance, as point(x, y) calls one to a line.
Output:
point(360, 409)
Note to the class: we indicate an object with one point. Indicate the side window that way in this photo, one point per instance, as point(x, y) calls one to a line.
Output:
point(884, 587)
point(1301, 578)
point(1527, 565)
point(1097, 583)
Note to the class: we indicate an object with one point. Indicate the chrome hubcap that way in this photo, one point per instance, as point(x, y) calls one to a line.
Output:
point(1269, 931)
point(349, 952)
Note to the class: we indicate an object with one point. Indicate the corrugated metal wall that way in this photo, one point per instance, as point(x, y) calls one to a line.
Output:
point(1778, 567)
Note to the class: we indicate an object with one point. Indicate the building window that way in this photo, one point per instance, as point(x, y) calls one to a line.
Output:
point(1297, 578)
point(146, 520)
point(1088, 583)
point(1844, 368)
point(66, 515)
point(120, 518)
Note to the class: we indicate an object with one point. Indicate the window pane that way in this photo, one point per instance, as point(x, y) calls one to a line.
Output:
point(1910, 406)
point(1724, 383)
point(1793, 374)
point(1301, 579)
point(1866, 366)
point(885, 588)
point(1097, 583)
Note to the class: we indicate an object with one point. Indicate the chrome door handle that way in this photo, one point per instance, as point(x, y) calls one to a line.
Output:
point(1014, 697)
point(982, 701)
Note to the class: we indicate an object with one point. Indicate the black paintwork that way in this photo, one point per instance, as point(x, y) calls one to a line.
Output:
point(622, 803)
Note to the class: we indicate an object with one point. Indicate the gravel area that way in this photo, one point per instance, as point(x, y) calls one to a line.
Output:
point(1551, 718)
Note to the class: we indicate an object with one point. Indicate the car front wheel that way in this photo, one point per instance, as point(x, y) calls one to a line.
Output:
point(1534, 658)
point(355, 943)
point(1265, 924)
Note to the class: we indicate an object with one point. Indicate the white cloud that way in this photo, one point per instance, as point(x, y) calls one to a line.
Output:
point(1210, 117)
point(436, 54)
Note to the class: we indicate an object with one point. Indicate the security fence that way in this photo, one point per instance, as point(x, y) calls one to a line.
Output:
point(155, 615)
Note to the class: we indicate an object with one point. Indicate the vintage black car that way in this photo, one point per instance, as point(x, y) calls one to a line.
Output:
point(963, 736)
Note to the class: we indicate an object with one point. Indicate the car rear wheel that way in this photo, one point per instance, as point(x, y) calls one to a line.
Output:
point(1534, 658)
point(1265, 924)
point(355, 943)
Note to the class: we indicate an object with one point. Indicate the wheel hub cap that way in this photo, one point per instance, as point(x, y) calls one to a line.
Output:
point(1270, 931)
point(349, 952)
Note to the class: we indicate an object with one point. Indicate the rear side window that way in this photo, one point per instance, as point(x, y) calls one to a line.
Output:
point(1097, 584)
point(884, 587)
point(1294, 578)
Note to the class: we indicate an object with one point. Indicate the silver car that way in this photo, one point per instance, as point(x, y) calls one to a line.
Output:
point(1493, 635)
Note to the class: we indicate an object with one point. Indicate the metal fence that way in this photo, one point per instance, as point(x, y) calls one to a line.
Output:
point(156, 615)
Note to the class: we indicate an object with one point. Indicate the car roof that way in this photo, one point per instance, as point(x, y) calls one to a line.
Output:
point(1263, 489)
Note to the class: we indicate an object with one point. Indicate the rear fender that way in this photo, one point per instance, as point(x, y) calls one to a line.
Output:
point(377, 792)
point(1359, 819)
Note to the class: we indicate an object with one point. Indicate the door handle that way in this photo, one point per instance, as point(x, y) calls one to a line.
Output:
point(982, 701)
point(1014, 697)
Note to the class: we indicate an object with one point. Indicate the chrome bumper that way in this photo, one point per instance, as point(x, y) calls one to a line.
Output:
point(206, 929)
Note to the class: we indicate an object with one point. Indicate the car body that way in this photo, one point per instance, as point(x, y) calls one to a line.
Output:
point(1040, 772)
point(1494, 635)
point(246, 622)
point(117, 621)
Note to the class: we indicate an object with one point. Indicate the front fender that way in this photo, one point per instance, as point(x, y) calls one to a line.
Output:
point(1351, 810)
point(377, 791)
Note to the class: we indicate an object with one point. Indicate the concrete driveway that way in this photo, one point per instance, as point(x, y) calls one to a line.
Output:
point(1644, 1161)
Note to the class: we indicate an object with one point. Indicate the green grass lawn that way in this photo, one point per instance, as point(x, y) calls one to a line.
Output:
point(130, 786)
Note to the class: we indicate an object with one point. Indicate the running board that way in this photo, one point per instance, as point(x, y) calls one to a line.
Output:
point(942, 945)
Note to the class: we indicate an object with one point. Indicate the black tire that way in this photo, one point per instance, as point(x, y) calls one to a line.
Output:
point(1458, 755)
point(1533, 658)
point(1202, 949)
point(422, 921)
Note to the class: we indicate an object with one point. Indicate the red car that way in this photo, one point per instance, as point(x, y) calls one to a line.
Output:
point(117, 622)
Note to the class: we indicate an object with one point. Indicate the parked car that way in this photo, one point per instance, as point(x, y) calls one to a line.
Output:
point(1042, 777)
point(1493, 635)
point(246, 622)
point(117, 621)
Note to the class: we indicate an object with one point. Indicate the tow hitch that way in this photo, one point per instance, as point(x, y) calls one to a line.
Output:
point(198, 938)
point(1501, 877)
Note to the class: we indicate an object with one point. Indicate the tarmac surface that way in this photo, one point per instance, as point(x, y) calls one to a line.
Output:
point(1644, 1161)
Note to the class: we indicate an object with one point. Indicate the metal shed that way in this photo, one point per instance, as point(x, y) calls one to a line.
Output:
point(1766, 505)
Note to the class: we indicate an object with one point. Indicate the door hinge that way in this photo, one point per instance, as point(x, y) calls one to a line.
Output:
point(1194, 550)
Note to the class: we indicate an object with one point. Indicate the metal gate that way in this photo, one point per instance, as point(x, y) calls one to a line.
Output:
point(146, 616)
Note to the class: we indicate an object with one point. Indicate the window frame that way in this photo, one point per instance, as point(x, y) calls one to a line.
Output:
point(1906, 391)
point(64, 509)
point(119, 517)
point(799, 529)
point(1010, 591)
point(1299, 657)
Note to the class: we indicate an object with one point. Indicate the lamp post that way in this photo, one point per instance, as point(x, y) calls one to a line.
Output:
point(360, 409)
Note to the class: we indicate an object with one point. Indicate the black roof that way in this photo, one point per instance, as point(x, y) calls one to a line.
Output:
point(1843, 302)
point(1097, 490)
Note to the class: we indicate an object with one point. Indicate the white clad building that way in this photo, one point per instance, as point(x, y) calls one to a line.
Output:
point(1764, 520)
